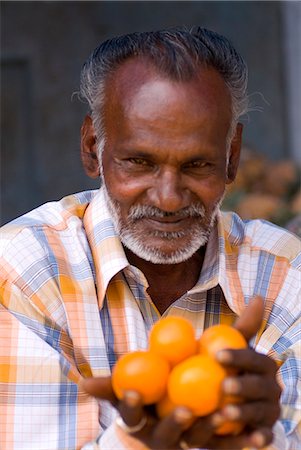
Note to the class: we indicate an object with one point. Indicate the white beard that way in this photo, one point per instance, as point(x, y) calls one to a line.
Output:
point(136, 240)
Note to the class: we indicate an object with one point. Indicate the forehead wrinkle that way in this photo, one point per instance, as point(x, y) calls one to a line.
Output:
point(153, 104)
point(135, 78)
point(159, 106)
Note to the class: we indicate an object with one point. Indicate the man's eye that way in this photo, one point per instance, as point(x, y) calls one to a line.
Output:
point(138, 161)
point(197, 165)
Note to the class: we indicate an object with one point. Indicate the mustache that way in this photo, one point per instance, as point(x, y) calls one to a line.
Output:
point(138, 212)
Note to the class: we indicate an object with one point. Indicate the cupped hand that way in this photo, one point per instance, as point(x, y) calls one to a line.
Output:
point(255, 384)
point(258, 407)
point(253, 381)
point(156, 434)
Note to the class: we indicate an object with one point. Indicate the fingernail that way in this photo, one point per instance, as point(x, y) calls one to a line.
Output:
point(258, 439)
point(231, 386)
point(224, 357)
point(132, 398)
point(182, 415)
point(231, 412)
point(217, 420)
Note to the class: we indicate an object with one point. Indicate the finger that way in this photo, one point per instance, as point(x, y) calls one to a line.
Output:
point(252, 387)
point(261, 437)
point(257, 439)
point(100, 387)
point(247, 360)
point(131, 408)
point(169, 430)
point(202, 430)
point(251, 318)
point(253, 414)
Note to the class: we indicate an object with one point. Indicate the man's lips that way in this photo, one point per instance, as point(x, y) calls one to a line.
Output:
point(169, 223)
point(167, 219)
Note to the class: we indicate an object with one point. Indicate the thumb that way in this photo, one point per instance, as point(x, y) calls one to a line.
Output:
point(99, 387)
point(251, 318)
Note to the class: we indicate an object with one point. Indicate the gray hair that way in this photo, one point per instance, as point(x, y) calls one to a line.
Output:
point(176, 53)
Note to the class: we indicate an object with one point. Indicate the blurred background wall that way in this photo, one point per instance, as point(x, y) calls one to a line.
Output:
point(43, 45)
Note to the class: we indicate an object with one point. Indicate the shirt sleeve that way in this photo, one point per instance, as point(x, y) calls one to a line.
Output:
point(115, 438)
point(286, 351)
point(42, 407)
point(280, 441)
point(288, 430)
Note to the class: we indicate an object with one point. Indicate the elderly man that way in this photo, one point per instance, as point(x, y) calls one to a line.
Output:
point(83, 279)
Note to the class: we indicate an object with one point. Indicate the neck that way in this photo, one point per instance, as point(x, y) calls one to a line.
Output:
point(168, 282)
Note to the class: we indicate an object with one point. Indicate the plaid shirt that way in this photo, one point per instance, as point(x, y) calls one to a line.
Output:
point(71, 304)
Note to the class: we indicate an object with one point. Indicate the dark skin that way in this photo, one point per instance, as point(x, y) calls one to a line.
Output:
point(256, 385)
point(164, 294)
point(166, 146)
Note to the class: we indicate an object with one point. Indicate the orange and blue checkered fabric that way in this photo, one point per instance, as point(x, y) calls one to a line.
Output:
point(71, 305)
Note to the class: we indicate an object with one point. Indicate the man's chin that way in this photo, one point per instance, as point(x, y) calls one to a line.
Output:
point(164, 251)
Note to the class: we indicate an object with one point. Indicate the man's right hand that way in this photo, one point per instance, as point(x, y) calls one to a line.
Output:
point(156, 434)
point(258, 389)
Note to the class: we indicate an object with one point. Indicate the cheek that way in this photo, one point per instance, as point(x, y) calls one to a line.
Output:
point(125, 189)
point(210, 191)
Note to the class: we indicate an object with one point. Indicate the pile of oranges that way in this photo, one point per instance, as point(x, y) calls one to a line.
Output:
point(179, 370)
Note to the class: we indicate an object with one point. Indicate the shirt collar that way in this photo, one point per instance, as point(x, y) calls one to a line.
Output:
point(107, 251)
point(109, 256)
point(221, 263)
point(210, 269)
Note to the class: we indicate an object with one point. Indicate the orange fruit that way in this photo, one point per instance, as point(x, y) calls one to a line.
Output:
point(231, 426)
point(214, 339)
point(142, 371)
point(173, 338)
point(220, 337)
point(164, 407)
point(196, 384)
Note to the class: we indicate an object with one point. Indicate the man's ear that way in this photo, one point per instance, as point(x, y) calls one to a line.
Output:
point(234, 154)
point(88, 148)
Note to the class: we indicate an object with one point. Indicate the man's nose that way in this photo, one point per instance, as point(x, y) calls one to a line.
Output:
point(168, 192)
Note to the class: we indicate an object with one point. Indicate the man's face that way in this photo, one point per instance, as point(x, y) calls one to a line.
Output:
point(165, 159)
